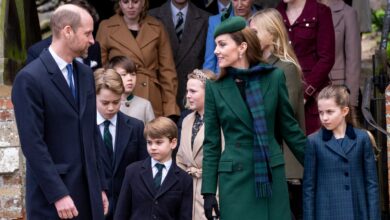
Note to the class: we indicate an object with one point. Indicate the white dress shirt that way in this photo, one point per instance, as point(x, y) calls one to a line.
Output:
point(61, 64)
point(175, 10)
point(167, 166)
point(222, 6)
point(100, 122)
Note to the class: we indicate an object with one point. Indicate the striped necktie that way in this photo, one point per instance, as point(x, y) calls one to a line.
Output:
point(179, 25)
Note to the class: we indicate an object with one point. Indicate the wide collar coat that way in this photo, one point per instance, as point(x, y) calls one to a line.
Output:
point(152, 54)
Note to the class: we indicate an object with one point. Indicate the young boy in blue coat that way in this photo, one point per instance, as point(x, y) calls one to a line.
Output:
point(120, 137)
point(156, 188)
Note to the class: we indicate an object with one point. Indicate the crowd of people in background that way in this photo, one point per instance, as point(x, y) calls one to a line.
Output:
point(199, 110)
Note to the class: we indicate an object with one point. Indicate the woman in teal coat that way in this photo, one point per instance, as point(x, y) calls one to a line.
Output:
point(249, 102)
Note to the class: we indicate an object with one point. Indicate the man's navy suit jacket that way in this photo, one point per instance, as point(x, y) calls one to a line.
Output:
point(57, 135)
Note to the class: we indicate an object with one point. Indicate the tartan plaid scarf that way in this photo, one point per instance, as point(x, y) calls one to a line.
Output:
point(255, 102)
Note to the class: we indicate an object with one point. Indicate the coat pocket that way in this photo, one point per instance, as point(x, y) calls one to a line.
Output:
point(225, 166)
point(62, 168)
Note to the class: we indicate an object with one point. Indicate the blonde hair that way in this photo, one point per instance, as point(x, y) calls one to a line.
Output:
point(108, 79)
point(340, 94)
point(202, 75)
point(161, 127)
point(271, 21)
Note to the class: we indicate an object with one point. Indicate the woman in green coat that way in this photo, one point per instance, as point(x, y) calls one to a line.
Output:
point(249, 101)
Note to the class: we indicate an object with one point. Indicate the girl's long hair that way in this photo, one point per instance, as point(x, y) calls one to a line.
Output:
point(272, 21)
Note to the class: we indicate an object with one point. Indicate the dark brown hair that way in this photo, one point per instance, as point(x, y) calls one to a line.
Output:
point(253, 52)
point(122, 62)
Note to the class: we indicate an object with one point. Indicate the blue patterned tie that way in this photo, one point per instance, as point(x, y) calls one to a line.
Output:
point(69, 68)
point(157, 179)
point(179, 25)
point(107, 138)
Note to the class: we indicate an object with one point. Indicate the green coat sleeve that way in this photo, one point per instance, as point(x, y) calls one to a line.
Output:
point(290, 130)
point(211, 143)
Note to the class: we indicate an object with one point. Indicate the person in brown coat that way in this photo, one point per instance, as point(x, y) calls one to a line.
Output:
point(142, 38)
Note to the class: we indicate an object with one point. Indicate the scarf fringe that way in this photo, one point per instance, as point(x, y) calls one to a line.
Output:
point(263, 190)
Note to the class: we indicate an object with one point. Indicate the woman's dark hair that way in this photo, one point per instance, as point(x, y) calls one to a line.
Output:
point(253, 52)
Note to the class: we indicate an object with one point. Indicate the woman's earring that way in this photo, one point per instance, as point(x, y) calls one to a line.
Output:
point(239, 56)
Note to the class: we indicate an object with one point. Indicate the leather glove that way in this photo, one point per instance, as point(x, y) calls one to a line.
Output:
point(210, 203)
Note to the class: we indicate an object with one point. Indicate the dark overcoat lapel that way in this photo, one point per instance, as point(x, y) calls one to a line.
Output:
point(58, 79)
point(121, 140)
point(192, 30)
point(147, 177)
point(331, 142)
point(170, 180)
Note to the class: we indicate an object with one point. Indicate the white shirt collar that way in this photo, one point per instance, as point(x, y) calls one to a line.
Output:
point(175, 10)
point(222, 6)
point(61, 63)
point(167, 164)
point(100, 119)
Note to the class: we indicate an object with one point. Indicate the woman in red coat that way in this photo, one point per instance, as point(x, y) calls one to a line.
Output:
point(311, 34)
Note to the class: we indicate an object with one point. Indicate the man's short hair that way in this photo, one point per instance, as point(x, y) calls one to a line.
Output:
point(161, 127)
point(85, 5)
point(62, 18)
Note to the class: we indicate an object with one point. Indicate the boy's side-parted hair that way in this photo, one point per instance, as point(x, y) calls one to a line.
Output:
point(122, 62)
point(340, 94)
point(161, 127)
point(108, 79)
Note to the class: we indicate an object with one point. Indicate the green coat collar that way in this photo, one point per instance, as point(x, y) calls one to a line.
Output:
point(231, 95)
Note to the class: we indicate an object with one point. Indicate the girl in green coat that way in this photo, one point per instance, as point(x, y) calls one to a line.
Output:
point(249, 101)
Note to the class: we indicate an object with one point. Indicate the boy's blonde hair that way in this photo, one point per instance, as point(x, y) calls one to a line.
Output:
point(108, 79)
point(161, 127)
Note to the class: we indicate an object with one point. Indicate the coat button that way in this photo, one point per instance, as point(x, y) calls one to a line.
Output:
point(154, 216)
point(346, 174)
point(289, 29)
point(345, 160)
point(346, 187)
point(144, 84)
point(156, 202)
point(239, 167)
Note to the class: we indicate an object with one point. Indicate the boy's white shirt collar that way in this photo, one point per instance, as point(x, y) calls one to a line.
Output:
point(100, 119)
point(167, 164)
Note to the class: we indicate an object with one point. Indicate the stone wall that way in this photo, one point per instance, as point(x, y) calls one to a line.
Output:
point(11, 162)
point(19, 29)
point(388, 130)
